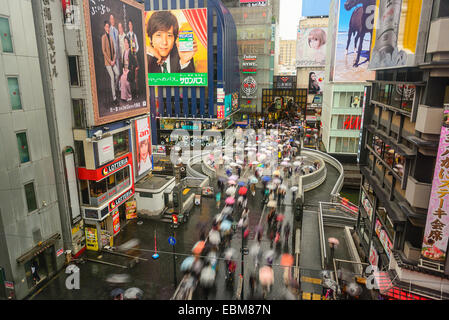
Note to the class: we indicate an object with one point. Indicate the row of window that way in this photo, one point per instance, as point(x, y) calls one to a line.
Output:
point(388, 153)
point(346, 145)
point(400, 96)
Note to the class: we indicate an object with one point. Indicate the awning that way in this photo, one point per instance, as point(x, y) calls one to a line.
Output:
point(39, 248)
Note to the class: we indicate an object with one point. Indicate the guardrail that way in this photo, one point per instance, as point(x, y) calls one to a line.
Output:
point(322, 240)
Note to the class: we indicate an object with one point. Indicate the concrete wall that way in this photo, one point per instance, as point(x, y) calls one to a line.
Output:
point(18, 225)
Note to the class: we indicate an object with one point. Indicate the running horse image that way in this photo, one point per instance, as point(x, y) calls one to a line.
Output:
point(361, 23)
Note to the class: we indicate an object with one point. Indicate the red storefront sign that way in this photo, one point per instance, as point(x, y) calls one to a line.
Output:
point(116, 222)
point(100, 173)
point(121, 199)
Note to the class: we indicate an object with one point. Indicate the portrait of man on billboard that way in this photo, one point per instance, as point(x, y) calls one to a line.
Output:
point(164, 54)
point(176, 47)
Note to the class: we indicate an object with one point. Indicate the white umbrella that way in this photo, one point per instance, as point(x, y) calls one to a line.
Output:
point(294, 188)
point(230, 191)
point(118, 278)
point(133, 294)
point(297, 163)
point(286, 159)
point(272, 204)
point(254, 250)
point(285, 164)
point(214, 237)
point(207, 277)
point(229, 253)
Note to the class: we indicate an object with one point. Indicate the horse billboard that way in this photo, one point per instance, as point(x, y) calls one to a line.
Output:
point(353, 41)
point(395, 33)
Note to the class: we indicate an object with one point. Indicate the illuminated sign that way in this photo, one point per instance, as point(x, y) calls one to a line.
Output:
point(100, 173)
point(121, 199)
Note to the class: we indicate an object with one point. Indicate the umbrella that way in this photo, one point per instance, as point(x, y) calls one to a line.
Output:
point(187, 263)
point(276, 173)
point(254, 250)
point(231, 182)
point(294, 188)
point(233, 164)
point(230, 191)
point(285, 164)
point(286, 260)
point(133, 294)
point(280, 217)
point(255, 162)
point(118, 278)
point(212, 257)
point(266, 276)
point(260, 165)
point(241, 184)
point(269, 255)
point(286, 159)
point(266, 178)
point(214, 237)
point(116, 292)
point(283, 187)
point(353, 289)
point(253, 180)
point(243, 191)
point(297, 163)
point(198, 247)
point(239, 161)
point(277, 181)
point(230, 200)
point(225, 225)
point(272, 204)
point(229, 253)
point(333, 241)
point(233, 177)
point(227, 210)
point(207, 277)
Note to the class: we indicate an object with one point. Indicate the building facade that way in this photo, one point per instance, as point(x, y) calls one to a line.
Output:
point(287, 52)
point(30, 222)
point(401, 225)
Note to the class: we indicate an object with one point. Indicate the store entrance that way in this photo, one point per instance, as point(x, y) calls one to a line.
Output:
point(41, 267)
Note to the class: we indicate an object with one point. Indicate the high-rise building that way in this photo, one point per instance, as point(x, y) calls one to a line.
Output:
point(31, 242)
point(402, 224)
point(287, 52)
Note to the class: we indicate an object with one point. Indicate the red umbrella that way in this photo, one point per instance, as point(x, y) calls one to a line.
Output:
point(243, 191)
point(280, 217)
point(286, 260)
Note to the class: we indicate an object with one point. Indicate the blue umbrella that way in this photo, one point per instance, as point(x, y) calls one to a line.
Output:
point(225, 225)
point(187, 263)
point(241, 183)
point(266, 178)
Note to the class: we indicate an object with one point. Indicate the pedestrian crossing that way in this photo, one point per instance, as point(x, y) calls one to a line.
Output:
point(312, 296)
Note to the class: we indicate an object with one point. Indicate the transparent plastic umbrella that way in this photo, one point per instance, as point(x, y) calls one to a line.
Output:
point(187, 263)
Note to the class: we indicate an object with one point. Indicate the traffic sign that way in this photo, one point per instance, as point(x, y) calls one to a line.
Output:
point(175, 218)
point(172, 241)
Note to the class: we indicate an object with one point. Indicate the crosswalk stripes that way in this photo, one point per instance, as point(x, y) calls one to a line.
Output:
point(311, 296)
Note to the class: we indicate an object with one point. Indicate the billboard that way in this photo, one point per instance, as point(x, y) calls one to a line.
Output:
point(115, 41)
point(311, 9)
point(143, 146)
point(311, 47)
point(316, 82)
point(249, 88)
point(176, 42)
point(353, 41)
point(395, 33)
point(284, 82)
point(437, 225)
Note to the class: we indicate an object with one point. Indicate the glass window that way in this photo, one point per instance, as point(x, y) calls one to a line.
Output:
point(5, 34)
point(30, 195)
point(14, 93)
point(84, 191)
point(126, 173)
point(98, 188)
point(119, 176)
point(111, 182)
point(74, 71)
point(440, 9)
point(79, 114)
point(79, 150)
point(345, 146)
point(338, 144)
point(22, 144)
point(121, 143)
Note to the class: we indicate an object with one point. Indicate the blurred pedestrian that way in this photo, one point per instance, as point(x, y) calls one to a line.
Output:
point(218, 198)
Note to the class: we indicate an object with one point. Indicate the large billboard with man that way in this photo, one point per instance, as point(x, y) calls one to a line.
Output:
point(176, 47)
point(115, 42)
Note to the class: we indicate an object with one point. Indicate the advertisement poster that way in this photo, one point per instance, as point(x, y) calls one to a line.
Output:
point(311, 47)
point(131, 209)
point(143, 146)
point(91, 238)
point(249, 88)
point(176, 43)
point(115, 39)
point(437, 230)
point(353, 43)
point(116, 222)
point(316, 82)
point(373, 256)
point(395, 33)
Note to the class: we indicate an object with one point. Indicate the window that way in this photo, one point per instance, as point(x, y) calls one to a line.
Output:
point(74, 71)
point(440, 9)
point(79, 151)
point(5, 34)
point(22, 144)
point(98, 188)
point(14, 93)
point(30, 196)
point(79, 114)
point(121, 143)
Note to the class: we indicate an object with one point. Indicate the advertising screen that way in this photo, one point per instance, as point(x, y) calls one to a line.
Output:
point(176, 42)
point(316, 82)
point(115, 40)
point(353, 41)
point(143, 146)
point(311, 47)
point(395, 33)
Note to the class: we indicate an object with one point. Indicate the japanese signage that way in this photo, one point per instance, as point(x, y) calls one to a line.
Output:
point(182, 60)
point(395, 33)
point(91, 238)
point(220, 95)
point(220, 112)
point(367, 205)
point(383, 238)
point(143, 146)
point(49, 35)
point(253, 3)
point(351, 61)
point(131, 210)
point(116, 222)
point(373, 256)
point(249, 88)
point(115, 42)
point(121, 199)
point(100, 173)
point(437, 230)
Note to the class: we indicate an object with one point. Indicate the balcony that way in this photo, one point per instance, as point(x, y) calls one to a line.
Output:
point(429, 120)
point(418, 193)
point(438, 36)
